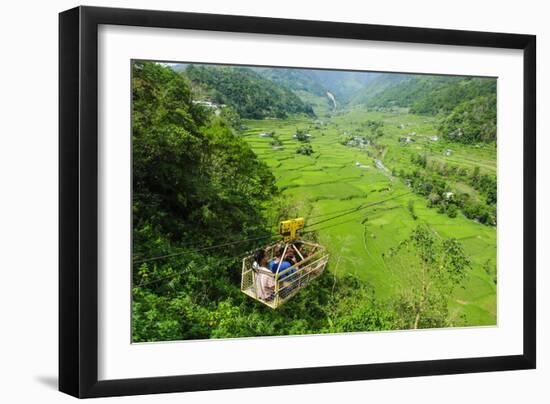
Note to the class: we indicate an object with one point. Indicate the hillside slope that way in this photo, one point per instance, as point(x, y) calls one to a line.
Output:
point(247, 92)
point(466, 106)
point(432, 94)
point(379, 84)
point(342, 84)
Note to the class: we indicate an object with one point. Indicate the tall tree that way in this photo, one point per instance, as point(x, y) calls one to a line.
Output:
point(431, 268)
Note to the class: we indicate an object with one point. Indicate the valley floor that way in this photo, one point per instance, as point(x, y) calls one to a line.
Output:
point(361, 210)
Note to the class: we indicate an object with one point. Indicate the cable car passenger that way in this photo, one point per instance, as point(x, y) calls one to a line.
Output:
point(265, 283)
point(285, 263)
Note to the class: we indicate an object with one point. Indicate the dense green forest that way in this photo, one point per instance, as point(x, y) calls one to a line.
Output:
point(198, 184)
point(248, 93)
point(472, 121)
point(466, 106)
point(435, 181)
point(191, 178)
point(434, 94)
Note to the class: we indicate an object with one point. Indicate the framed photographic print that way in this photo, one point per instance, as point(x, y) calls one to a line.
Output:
point(251, 201)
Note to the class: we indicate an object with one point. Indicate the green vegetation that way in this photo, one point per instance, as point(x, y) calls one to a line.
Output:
point(433, 94)
point(435, 180)
point(191, 177)
point(276, 141)
point(248, 93)
point(297, 80)
point(376, 202)
point(410, 226)
point(410, 206)
point(377, 87)
point(301, 135)
point(305, 149)
point(431, 268)
point(472, 121)
point(467, 105)
point(375, 128)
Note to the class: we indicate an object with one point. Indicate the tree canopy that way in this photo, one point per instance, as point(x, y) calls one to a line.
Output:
point(472, 121)
point(250, 94)
point(466, 105)
point(432, 267)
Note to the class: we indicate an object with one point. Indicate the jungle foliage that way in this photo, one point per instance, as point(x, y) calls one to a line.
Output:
point(436, 181)
point(472, 121)
point(466, 106)
point(248, 93)
point(431, 267)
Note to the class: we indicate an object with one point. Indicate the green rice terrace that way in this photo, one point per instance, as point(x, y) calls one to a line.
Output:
point(347, 178)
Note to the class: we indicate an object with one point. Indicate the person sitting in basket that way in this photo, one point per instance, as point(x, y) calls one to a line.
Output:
point(265, 283)
point(281, 263)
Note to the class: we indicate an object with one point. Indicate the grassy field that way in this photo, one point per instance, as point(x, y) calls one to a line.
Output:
point(371, 204)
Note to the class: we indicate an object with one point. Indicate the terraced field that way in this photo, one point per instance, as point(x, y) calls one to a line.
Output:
point(361, 210)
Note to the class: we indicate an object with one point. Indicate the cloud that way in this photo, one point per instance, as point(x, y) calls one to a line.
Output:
point(166, 64)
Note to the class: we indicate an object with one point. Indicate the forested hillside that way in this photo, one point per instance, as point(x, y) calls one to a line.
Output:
point(247, 92)
point(472, 121)
point(466, 106)
point(191, 178)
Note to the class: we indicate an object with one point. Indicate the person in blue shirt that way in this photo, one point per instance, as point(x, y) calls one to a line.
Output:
point(285, 264)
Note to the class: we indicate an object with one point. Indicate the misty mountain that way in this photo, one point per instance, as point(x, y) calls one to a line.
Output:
point(427, 94)
point(343, 84)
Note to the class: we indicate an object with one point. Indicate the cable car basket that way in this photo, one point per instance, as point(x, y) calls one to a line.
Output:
point(273, 288)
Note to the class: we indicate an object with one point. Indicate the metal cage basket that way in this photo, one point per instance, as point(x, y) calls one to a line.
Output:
point(273, 288)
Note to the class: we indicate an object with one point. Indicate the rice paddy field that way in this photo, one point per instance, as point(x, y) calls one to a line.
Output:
point(348, 194)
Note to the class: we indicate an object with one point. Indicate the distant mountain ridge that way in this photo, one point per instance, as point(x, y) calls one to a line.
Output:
point(343, 84)
point(466, 106)
point(348, 87)
point(378, 85)
point(293, 79)
point(247, 92)
point(425, 94)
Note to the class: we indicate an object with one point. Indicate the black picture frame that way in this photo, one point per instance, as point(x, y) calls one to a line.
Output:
point(78, 201)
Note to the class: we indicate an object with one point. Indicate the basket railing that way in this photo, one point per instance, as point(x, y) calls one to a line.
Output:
point(285, 283)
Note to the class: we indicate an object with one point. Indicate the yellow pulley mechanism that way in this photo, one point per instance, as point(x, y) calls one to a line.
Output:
point(289, 228)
